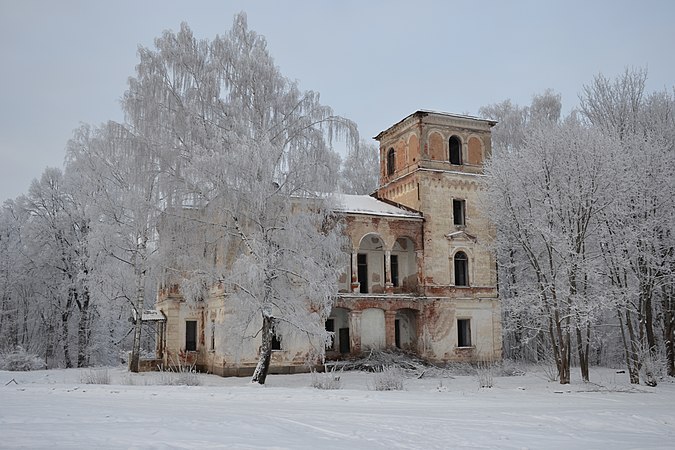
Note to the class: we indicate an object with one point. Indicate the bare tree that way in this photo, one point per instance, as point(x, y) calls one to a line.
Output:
point(246, 159)
point(360, 170)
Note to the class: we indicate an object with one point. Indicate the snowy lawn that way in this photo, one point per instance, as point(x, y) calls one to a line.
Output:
point(56, 409)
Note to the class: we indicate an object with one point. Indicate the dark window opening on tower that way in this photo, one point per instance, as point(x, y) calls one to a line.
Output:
point(455, 150)
point(391, 161)
point(461, 269)
point(458, 212)
point(463, 333)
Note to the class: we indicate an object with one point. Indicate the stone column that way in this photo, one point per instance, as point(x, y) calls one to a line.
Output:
point(390, 329)
point(388, 285)
point(355, 332)
point(419, 261)
point(355, 286)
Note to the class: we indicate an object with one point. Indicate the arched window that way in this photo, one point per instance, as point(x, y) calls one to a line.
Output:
point(455, 150)
point(461, 269)
point(391, 161)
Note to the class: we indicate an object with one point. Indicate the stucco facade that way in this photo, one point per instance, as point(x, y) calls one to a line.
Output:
point(420, 275)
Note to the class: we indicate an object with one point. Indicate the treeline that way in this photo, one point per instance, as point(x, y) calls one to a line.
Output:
point(210, 126)
point(585, 212)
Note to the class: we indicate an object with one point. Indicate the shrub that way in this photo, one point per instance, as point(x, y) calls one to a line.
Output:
point(95, 376)
point(389, 379)
point(327, 380)
point(20, 360)
point(180, 375)
point(485, 374)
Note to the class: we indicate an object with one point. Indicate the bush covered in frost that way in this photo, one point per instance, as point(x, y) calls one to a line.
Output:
point(180, 375)
point(95, 376)
point(389, 379)
point(20, 360)
point(328, 380)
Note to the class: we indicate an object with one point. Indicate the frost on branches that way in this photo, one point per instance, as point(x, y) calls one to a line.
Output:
point(245, 159)
point(584, 211)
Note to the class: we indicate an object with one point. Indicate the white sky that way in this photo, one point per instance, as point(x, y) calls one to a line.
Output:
point(67, 62)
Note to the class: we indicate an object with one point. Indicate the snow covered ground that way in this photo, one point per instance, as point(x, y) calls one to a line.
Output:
point(56, 409)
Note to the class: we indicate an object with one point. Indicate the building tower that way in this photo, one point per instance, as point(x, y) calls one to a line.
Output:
point(433, 163)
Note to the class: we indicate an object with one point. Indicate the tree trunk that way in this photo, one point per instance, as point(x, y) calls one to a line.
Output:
point(582, 351)
point(134, 364)
point(65, 339)
point(83, 331)
point(668, 307)
point(632, 362)
point(139, 268)
point(263, 367)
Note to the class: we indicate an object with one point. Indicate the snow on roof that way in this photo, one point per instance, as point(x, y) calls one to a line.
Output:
point(365, 204)
point(150, 315)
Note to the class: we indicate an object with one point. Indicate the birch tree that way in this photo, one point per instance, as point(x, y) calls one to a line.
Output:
point(123, 171)
point(252, 152)
point(360, 173)
point(638, 233)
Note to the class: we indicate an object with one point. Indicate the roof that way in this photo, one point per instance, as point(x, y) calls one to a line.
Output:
point(426, 112)
point(150, 315)
point(365, 204)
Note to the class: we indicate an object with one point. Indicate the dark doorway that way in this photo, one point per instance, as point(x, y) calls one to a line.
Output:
point(344, 340)
point(362, 263)
point(397, 333)
point(330, 326)
point(394, 270)
point(190, 335)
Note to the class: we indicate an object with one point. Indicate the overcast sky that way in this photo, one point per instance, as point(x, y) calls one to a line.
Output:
point(63, 63)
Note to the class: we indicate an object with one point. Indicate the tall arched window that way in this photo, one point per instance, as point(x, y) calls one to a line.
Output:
point(391, 161)
point(455, 150)
point(461, 269)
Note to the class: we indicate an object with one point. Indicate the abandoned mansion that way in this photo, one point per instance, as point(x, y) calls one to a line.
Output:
point(421, 275)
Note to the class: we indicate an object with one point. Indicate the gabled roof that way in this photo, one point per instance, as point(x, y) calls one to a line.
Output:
point(365, 204)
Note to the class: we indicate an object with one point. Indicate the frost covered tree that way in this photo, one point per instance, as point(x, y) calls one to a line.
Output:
point(546, 215)
point(638, 240)
point(360, 171)
point(122, 171)
point(247, 160)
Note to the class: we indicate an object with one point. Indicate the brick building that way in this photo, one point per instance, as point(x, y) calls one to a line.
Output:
point(420, 276)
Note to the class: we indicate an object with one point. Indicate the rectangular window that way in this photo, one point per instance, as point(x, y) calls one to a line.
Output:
point(394, 270)
point(463, 333)
point(191, 335)
point(458, 210)
point(276, 342)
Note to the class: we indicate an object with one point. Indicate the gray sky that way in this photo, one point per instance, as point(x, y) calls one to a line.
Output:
point(67, 62)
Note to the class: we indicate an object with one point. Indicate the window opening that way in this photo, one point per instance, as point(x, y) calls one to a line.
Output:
point(190, 335)
point(458, 210)
point(394, 270)
point(343, 335)
point(461, 269)
point(362, 263)
point(455, 150)
point(330, 326)
point(464, 333)
point(391, 161)
point(276, 342)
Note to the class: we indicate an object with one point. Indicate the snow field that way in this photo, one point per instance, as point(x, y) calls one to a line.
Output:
point(55, 409)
